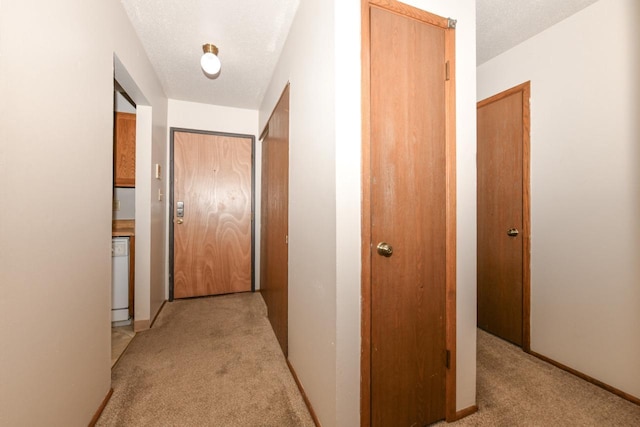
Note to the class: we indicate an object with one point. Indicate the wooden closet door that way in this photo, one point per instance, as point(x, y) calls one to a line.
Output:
point(408, 212)
point(503, 231)
point(275, 220)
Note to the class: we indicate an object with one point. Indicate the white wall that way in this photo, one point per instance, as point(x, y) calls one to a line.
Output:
point(193, 115)
point(348, 155)
point(307, 61)
point(126, 198)
point(196, 116)
point(322, 61)
point(151, 220)
point(122, 104)
point(56, 169)
point(585, 191)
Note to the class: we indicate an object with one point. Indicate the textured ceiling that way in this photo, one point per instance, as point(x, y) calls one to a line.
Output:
point(502, 24)
point(249, 33)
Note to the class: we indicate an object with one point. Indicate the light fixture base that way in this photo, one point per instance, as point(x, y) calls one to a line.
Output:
point(210, 48)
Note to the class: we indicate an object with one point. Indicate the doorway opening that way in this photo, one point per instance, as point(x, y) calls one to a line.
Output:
point(123, 222)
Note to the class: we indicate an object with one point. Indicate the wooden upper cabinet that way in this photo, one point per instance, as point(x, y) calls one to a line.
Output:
point(124, 150)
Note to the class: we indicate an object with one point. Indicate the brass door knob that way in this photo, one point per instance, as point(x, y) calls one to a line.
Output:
point(512, 232)
point(385, 249)
point(179, 221)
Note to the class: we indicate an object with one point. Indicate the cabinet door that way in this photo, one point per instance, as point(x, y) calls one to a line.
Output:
point(124, 151)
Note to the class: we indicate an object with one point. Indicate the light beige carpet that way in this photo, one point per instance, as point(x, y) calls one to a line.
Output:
point(206, 362)
point(216, 362)
point(517, 389)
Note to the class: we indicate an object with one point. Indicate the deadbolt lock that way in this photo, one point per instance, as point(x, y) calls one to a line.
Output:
point(513, 232)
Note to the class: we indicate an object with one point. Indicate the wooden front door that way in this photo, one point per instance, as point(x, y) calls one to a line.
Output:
point(503, 215)
point(211, 213)
point(408, 193)
point(274, 256)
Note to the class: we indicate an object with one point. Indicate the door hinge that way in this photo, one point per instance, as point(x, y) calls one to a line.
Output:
point(286, 239)
point(447, 359)
point(447, 71)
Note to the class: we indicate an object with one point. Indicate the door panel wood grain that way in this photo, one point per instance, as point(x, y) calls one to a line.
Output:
point(502, 184)
point(274, 221)
point(408, 211)
point(212, 241)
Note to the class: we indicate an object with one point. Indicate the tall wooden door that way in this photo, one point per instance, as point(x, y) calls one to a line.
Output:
point(274, 256)
point(503, 215)
point(212, 213)
point(408, 220)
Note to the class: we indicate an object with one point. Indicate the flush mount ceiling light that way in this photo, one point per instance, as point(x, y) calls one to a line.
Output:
point(210, 62)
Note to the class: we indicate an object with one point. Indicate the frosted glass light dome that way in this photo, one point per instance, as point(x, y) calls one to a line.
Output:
point(210, 62)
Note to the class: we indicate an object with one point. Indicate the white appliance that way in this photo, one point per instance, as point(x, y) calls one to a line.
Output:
point(120, 279)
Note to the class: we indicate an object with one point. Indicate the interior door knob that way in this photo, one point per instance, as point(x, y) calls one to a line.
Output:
point(385, 249)
point(513, 232)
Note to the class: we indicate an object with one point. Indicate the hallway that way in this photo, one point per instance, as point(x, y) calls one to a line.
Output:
point(208, 362)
